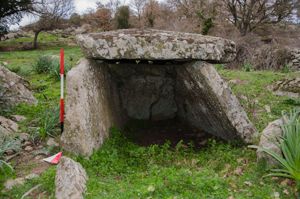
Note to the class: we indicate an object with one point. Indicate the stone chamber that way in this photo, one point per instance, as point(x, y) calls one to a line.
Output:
point(164, 81)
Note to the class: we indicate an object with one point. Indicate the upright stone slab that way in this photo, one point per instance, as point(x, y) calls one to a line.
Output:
point(150, 75)
point(92, 107)
point(206, 102)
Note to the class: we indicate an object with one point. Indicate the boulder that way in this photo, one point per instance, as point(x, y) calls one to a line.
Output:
point(14, 89)
point(156, 45)
point(269, 140)
point(70, 179)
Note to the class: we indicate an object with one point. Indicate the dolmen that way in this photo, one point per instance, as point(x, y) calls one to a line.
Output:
point(150, 75)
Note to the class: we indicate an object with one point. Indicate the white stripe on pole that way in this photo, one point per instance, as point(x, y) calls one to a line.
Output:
point(61, 86)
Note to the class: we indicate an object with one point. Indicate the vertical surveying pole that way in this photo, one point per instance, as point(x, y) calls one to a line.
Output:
point(61, 115)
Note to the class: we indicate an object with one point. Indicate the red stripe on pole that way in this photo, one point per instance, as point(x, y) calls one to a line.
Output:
point(62, 111)
point(62, 64)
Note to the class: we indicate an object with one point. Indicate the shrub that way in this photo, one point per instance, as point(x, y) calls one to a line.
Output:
point(7, 143)
point(49, 65)
point(247, 67)
point(289, 145)
point(286, 68)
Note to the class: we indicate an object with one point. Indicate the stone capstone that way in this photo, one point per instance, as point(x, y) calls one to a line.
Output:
point(14, 89)
point(70, 179)
point(154, 76)
point(134, 44)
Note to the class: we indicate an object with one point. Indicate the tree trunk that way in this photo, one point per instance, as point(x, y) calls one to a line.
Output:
point(35, 42)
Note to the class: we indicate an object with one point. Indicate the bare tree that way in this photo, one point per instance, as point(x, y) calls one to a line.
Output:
point(247, 15)
point(113, 5)
point(138, 6)
point(51, 14)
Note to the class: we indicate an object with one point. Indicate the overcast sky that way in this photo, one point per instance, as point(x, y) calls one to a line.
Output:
point(80, 7)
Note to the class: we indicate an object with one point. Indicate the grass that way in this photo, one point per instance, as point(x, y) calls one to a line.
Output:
point(45, 40)
point(254, 95)
point(121, 169)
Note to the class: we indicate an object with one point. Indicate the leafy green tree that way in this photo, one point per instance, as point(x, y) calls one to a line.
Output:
point(11, 12)
point(122, 17)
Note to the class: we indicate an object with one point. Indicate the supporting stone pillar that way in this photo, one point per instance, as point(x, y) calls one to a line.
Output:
point(206, 102)
point(92, 107)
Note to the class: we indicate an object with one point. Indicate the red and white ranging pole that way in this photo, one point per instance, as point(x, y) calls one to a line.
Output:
point(61, 115)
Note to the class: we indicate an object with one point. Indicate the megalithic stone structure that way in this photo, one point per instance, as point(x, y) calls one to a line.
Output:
point(150, 75)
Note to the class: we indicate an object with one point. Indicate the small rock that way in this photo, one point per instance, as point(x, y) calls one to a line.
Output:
point(8, 125)
point(286, 192)
point(24, 137)
point(18, 118)
point(276, 195)
point(268, 108)
point(243, 97)
point(238, 171)
point(26, 143)
point(248, 183)
point(9, 184)
point(151, 188)
point(28, 148)
point(9, 152)
point(70, 179)
point(38, 157)
point(51, 142)
point(31, 176)
point(269, 138)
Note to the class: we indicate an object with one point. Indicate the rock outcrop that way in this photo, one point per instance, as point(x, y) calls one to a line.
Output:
point(70, 179)
point(287, 87)
point(14, 89)
point(150, 75)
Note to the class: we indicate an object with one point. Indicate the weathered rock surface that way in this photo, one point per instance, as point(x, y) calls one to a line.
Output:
point(206, 101)
point(156, 45)
point(7, 126)
point(294, 59)
point(146, 91)
point(11, 183)
point(14, 89)
point(287, 87)
point(269, 140)
point(70, 179)
point(92, 107)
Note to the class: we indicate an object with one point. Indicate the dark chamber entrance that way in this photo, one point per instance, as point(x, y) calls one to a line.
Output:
point(146, 133)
